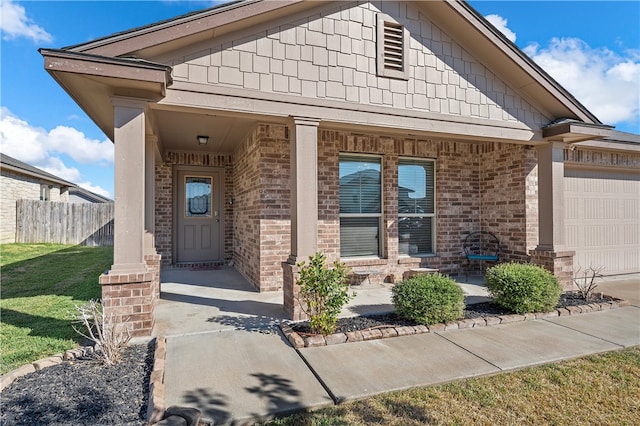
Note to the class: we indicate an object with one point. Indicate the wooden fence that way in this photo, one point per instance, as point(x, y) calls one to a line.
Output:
point(86, 224)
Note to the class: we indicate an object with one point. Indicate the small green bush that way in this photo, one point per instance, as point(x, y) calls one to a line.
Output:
point(323, 292)
point(429, 299)
point(523, 288)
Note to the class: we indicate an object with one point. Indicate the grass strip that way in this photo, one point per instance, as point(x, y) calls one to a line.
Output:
point(40, 285)
point(597, 389)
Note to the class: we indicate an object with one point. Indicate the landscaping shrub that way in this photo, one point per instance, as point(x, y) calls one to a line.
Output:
point(429, 299)
point(523, 288)
point(323, 292)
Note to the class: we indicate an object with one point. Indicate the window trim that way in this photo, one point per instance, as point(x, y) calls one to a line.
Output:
point(433, 215)
point(45, 192)
point(380, 216)
point(380, 49)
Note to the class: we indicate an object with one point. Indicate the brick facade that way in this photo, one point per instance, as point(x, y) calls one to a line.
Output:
point(488, 186)
point(468, 176)
point(262, 225)
point(164, 199)
point(16, 186)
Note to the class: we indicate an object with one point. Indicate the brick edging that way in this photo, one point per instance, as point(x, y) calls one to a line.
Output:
point(155, 405)
point(382, 332)
point(70, 355)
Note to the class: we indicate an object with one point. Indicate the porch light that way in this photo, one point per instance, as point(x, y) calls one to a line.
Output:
point(202, 140)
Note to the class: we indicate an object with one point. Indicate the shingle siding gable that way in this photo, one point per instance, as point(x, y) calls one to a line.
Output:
point(332, 55)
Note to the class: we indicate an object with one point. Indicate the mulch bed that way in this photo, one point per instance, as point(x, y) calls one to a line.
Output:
point(82, 392)
point(476, 310)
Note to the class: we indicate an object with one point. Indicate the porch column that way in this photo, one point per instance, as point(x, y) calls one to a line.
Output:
point(150, 193)
point(128, 294)
point(151, 257)
point(304, 188)
point(129, 220)
point(304, 206)
point(551, 196)
point(551, 252)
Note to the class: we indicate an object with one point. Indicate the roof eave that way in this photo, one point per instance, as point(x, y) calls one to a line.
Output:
point(570, 131)
point(525, 62)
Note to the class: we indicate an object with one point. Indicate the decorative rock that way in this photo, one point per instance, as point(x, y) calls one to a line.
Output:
point(371, 334)
point(574, 310)
point(191, 415)
point(334, 339)
point(420, 329)
point(529, 316)
point(389, 332)
point(563, 312)
point(586, 309)
point(451, 326)
point(479, 322)
point(595, 307)
point(314, 341)
point(354, 336)
point(405, 331)
point(286, 328)
point(493, 320)
point(43, 363)
point(172, 421)
point(552, 314)
point(295, 340)
point(506, 319)
point(434, 328)
point(465, 323)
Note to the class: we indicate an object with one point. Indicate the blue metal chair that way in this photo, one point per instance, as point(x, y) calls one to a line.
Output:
point(482, 247)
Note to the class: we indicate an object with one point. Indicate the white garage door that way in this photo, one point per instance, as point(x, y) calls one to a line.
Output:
point(603, 219)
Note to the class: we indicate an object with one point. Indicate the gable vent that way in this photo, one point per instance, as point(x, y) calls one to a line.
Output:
point(392, 48)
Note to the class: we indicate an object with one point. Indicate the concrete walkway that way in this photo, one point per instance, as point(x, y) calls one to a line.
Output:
point(237, 373)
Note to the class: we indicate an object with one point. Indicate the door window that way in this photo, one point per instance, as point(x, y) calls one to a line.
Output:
point(198, 197)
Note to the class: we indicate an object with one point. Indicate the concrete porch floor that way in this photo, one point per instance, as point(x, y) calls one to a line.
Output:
point(201, 301)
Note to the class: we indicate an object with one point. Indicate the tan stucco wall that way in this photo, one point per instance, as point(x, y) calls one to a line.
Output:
point(15, 186)
point(332, 55)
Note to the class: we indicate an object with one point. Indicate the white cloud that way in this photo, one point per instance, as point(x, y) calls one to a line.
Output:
point(95, 189)
point(607, 83)
point(501, 24)
point(14, 23)
point(42, 149)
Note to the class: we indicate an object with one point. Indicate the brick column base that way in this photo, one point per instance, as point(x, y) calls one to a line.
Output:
point(558, 263)
point(154, 262)
point(290, 290)
point(130, 299)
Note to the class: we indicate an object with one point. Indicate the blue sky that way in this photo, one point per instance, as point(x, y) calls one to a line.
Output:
point(590, 47)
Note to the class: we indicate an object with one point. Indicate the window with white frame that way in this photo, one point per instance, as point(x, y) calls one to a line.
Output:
point(416, 207)
point(360, 206)
point(45, 192)
point(392, 48)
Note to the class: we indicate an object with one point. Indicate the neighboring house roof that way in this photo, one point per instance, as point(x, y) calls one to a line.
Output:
point(88, 196)
point(10, 163)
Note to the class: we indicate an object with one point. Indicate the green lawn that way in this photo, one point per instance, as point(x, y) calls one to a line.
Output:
point(40, 286)
point(594, 390)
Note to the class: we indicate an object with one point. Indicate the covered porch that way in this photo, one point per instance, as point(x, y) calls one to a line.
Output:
point(203, 300)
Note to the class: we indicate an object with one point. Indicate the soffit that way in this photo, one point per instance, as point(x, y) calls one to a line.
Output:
point(178, 129)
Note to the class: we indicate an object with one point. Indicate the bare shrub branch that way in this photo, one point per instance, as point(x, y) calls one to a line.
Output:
point(109, 335)
point(585, 280)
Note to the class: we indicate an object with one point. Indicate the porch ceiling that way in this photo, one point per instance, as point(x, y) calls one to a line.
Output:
point(178, 130)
